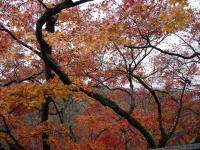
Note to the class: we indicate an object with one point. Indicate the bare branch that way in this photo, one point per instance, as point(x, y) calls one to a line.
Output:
point(29, 78)
point(17, 40)
point(10, 134)
point(57, 110)
point(171, 131)
point(196, 54)
point(189, 45)
point(159, 109)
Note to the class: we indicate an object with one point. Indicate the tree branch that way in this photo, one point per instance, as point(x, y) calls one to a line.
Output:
point(57, 110)
point(64, 78)
point(111, 104)
point(3, 28)
point(196, 54)
point(10, 134)
point(157, 102)
point(31, 78)
point(41, 2)
point(171, 131)
point(47, 15)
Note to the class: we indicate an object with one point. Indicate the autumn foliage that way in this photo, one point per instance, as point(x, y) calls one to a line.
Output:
point(100, 75)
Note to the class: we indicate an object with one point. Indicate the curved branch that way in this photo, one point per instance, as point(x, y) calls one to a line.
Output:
point(134, 122)
point(48, 14)
point(64, 78)
point(45, 48)
point(171, 131)
point(157, 102)
point(107, 102)
point(196, 54)
point(189, 45)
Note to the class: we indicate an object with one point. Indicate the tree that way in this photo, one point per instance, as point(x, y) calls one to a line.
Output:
point(114, 58)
